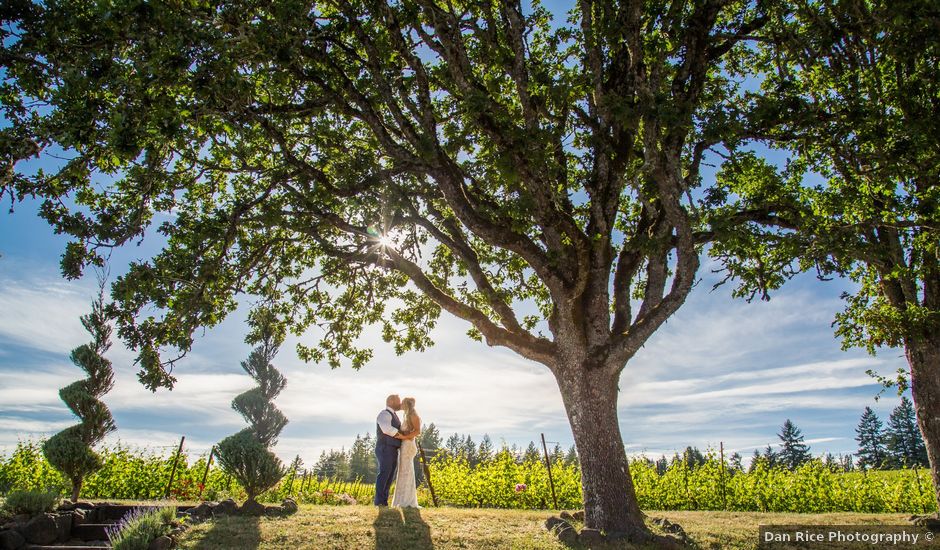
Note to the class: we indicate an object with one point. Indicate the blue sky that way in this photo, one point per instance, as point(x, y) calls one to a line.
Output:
point(719, 370)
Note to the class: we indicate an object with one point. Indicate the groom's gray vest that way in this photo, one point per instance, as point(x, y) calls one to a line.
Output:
point(382, 439)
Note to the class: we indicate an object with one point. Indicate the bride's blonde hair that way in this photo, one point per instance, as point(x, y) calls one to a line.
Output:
point(408, 405)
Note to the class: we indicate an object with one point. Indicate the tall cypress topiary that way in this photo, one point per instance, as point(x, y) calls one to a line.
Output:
point(70, 451)
point(246, 455)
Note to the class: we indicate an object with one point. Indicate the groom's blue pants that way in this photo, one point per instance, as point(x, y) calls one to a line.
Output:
point(387, 457)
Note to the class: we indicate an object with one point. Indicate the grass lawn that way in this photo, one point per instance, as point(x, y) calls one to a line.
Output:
point(366, 527)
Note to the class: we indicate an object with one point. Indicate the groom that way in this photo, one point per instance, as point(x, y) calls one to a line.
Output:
point(387, 443)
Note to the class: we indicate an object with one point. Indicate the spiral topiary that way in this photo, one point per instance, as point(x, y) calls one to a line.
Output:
point(246, 455)
point(70, 451)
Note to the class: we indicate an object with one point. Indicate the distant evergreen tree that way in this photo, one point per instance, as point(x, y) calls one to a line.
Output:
point(70, 451)
point(831, 463)
point(871, 441)
point(430, 438)
point(333, 465)
point(662, 465)
point(531, 453)
point(735, 461)
point(296, 466)
point(770, 456)
point(846, 462)
point(454, 445)
point(557, 454)
point(793, 452)
point(362, 463)
point(485, 450)
point(693, 458)
point(756, 459)
point(571, 457)
point(469, 450)
point(903, 441)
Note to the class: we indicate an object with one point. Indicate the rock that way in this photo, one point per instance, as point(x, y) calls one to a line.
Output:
point(252, 508)
point(567, 534)
point(227, 507)
point(289, 505)
point(590, 536)
point(273, 510)
point(42, 529)
point(566, 515)
point(161, 543)
point(202, 511)
point(78, 517)
point(80, 505)
point(555, 522)
point(929, 521)
point(11, 540)
point(63, 524)
point(578, 516)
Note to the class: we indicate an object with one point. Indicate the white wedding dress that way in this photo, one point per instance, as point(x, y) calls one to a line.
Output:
point(406, 494)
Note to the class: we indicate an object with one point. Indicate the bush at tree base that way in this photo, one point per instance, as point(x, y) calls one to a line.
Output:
point(247, 459)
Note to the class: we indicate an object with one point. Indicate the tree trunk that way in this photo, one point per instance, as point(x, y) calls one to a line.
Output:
point(76, 489)
point(610, 505)
point(923, 356)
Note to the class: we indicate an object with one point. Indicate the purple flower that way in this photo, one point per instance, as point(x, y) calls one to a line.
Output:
point(520, 487)
point(115, 528)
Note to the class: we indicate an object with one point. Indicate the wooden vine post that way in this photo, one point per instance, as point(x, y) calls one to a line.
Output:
point(427, 471)
point(205, 476)
point(176, 459)
point(548, 464)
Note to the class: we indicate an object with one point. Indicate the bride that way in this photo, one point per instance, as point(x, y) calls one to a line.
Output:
point(405, 489)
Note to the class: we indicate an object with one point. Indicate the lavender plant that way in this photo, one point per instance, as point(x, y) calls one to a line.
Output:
point(139, 527)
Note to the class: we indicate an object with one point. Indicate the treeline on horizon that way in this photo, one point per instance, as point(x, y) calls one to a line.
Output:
point(883, 447)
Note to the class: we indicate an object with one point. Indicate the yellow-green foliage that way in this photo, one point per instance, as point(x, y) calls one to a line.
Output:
point(140, 474)
point(812, 488)
point(493, 483)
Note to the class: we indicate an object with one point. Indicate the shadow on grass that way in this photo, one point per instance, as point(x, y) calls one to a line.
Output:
point(229, 532)
point(401, 529)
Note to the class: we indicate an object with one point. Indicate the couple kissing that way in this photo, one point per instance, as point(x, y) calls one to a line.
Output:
point(395, 450)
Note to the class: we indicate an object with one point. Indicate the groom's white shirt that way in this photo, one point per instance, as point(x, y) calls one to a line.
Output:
point(385, 422)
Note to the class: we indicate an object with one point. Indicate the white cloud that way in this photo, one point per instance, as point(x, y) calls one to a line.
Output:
point(22, 428)
point(717, 359)
point(44, 315)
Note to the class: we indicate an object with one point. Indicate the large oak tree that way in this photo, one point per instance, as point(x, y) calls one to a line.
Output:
point(361, 162)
